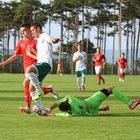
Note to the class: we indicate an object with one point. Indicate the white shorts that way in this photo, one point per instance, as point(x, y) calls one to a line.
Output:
point(98, 69)
point(122, 70)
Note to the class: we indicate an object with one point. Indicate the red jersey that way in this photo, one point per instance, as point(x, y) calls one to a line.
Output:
point(122, 62)
point(21, 49)
point(98, 59)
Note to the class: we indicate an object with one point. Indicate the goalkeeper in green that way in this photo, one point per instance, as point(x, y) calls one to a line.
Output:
point(72, 106)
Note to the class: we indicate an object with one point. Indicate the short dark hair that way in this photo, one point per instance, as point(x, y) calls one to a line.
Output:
point(123, 54)
point(27, 25)
point(64, 106)
point(36, 25)
point(78, 44)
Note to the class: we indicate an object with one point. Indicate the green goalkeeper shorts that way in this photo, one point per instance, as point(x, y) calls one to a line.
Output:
point(95, 101)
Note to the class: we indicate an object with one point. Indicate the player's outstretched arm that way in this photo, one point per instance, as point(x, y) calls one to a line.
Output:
point(53, 106)
point(9, 60)
point(50, 114)
point(56, 40)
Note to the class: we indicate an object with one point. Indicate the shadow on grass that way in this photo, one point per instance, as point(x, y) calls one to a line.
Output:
point(135, 114)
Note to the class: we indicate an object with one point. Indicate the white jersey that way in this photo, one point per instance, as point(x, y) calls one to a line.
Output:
point(80, 64)
point(44, 49)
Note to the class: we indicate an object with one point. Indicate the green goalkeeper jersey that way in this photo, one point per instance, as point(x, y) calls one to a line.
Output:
point(78, 106)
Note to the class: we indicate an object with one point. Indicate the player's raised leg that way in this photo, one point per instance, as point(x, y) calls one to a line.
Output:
point(131, 104)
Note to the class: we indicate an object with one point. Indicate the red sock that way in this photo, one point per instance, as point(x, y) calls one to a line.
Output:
point(46, 90)
point(99, 78)
point(120, 75)
point(123, 75)
point(27, 96)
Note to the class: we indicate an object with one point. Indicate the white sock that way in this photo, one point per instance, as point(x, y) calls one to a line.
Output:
point(78, 82)
point(39, 104)
point(83, 79)
point(34, 80)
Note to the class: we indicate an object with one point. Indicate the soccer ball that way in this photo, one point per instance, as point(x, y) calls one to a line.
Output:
point(35, 109)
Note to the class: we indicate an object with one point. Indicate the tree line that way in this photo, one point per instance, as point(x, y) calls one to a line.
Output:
point(74, 18)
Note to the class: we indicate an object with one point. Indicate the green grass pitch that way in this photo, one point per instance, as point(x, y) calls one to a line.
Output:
point(119, 123)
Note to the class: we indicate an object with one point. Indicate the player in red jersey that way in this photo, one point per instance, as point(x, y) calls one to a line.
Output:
point(99, 60)
point(122, 67)
point(22, 48)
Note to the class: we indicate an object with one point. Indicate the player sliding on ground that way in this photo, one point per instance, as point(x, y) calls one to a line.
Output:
point(72, 106)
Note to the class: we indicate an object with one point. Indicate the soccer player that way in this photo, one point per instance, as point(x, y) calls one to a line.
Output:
point(122, 61)
point(99, 60)
point(37, 72)
point(80, 58)
point(22, 48)
point(72, 106)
